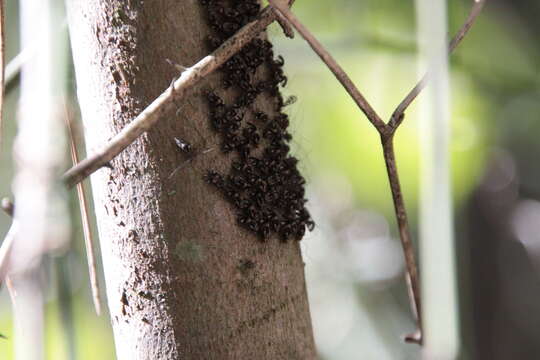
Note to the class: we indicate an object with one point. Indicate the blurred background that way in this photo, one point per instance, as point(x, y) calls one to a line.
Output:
point(354, 261)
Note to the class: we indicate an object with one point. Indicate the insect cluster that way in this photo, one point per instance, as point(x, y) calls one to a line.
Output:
point(263, 183)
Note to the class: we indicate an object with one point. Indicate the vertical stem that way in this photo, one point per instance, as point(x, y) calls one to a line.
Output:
point(413, 283)
point(25, 290)
point(85, 219)
point(41, 213)
point(439, 292)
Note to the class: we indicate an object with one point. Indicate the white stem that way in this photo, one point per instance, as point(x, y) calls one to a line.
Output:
point(437, 253)
point(25, 290)
point(39, 154)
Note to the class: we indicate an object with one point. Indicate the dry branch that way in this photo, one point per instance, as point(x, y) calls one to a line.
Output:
point(386, 132)
point(165, 102)
point(397, 115)
point(151, 115)
point(412, 277)
point(193, 75)
point(85, 218)
point(332, 64)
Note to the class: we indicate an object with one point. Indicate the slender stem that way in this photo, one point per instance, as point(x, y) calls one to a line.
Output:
point(199, 71)
point(332, 64)
point(85, 218)
point(285, 26)
point(165, 102)
point(405, 237)
point(386, 132)
point(196, 73)
point(473, 14)
point(397, 115)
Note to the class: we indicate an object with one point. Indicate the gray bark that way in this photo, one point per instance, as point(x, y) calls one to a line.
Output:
point(178, 284)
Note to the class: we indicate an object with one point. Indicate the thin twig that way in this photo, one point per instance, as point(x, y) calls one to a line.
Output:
point(85, 218)
point(165, 102)
point(397, 115)
point(387, 142)
point(285, 26)
point(386, 132)
point(395, 121)
point(332, 64)
point(475, 11)
point(413, 282)
point(287, 30)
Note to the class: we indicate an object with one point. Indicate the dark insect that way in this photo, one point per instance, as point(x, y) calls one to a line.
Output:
point(290, 100)
point(263, 183)
point(214, 42)
point(214, 178)
point(214, 99)
point(259, 115)
point(310, 224)
point(187, 149)
point(183, 145)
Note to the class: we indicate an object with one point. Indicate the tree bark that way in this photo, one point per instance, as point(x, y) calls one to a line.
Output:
point(183, 280)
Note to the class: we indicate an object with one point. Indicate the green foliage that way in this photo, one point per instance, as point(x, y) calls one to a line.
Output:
point(494, 101)
point(338, 135)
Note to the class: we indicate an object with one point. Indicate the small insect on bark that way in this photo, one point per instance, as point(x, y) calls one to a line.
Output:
point(186, 148)
point(183, 145)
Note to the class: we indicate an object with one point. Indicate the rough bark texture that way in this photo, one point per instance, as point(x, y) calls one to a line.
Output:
point(183, 280)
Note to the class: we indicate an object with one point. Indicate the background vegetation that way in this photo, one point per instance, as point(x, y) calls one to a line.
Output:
point(354, 262)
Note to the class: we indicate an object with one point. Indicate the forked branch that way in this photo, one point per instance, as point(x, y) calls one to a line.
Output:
point(386, 132)
point(193, 75)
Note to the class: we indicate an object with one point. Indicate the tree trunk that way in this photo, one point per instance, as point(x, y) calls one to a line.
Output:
point(183, 280)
